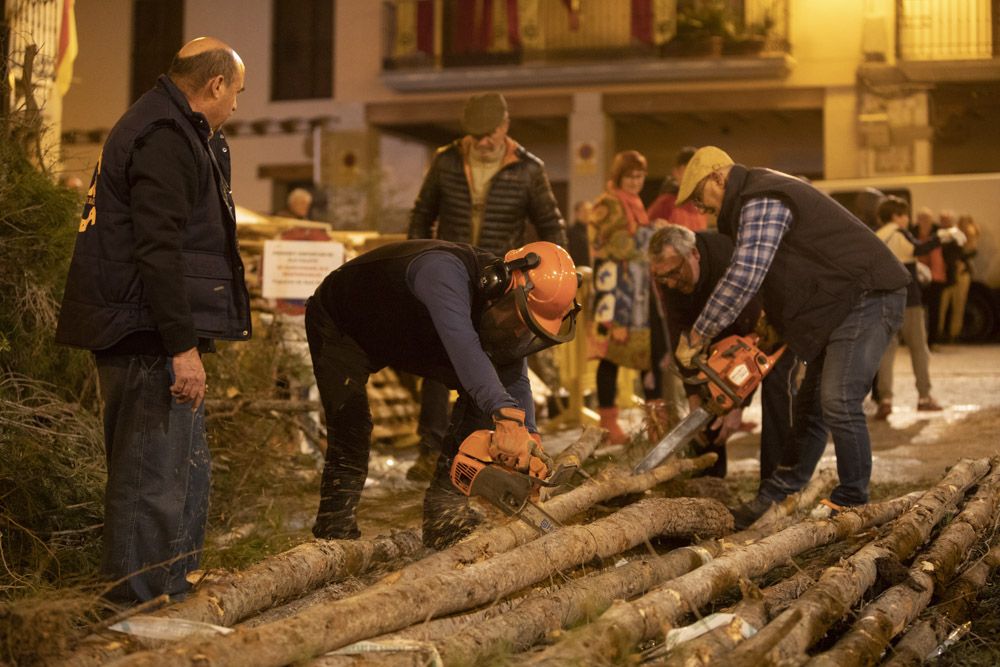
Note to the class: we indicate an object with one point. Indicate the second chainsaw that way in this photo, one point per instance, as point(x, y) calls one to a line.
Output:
point(734, 368)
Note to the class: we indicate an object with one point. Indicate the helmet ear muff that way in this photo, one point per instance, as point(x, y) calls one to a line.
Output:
point(495, 277)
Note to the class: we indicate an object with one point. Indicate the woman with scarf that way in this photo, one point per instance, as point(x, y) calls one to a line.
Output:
point(621, 283)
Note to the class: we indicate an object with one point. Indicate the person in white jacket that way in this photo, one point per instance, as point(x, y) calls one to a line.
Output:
point(894, 215)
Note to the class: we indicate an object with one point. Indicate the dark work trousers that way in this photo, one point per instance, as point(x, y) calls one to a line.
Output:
point(156, 499)
point(341, 368)
point(433, 421)
point(776, 400)
point(931, 296)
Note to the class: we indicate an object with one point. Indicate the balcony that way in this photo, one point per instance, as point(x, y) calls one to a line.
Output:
point(948, 41)
point(435, 45)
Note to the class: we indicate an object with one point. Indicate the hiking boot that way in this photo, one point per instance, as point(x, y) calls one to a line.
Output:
point(884, 410)
point(445, 528)
point(423, 468)
point(746, 513)
point(928, 404)
point(609, 422)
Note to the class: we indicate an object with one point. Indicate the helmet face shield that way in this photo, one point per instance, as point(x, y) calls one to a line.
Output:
point(509, 331)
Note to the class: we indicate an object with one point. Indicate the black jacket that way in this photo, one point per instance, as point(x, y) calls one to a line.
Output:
point(825, 262)
point(715, 251)
point(156, 264)
point(520, 191)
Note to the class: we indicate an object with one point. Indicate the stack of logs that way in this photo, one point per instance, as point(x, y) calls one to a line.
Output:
point(598, 593)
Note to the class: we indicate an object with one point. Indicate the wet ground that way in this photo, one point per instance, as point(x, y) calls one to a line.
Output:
point(911, 447)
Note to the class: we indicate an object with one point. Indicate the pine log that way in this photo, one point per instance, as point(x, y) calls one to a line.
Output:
point(840, 587)
point(898, 606)
point(584, 599)
point(627, 623)
point(805, 498)
point(612, 482)
point(754, 611)
point(378, 610)
point(927, 634)
point(751, 613)
point(271, 581)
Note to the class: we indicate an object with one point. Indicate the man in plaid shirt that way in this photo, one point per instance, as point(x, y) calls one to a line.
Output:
point(830, 288)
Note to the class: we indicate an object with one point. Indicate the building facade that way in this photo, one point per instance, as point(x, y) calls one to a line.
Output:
point(352, 96)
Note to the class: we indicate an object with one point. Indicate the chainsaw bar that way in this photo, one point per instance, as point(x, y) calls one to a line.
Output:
point(679, 436)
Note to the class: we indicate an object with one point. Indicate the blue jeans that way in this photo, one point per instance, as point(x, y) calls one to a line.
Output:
point(156, 500)
point(830, 401)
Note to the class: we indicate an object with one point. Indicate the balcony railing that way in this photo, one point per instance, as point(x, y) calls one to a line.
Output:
point(947, 30)
point(441, 34)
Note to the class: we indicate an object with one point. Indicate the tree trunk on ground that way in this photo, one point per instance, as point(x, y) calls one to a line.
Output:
point(387, 608)
point(753, 612)
point(841, 587)
point(625, 624)
point(897, 607)
point(582, 599)
point(611, 482)
point(926, 635)
point(264, 584)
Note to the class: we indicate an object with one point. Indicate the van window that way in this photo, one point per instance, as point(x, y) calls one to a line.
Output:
point(864, 203)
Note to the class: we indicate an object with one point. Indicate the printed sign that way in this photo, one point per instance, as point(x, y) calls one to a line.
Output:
point(294, 269)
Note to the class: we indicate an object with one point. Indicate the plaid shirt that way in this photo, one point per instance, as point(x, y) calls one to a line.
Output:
point(763, 223)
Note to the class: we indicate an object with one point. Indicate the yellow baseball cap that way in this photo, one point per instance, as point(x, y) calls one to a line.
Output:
point(705, 160)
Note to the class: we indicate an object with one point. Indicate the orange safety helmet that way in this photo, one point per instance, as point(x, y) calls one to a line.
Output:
point(532, 294)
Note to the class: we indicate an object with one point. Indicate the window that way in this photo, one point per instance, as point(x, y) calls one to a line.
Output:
point(157, 34)
point(302, 50)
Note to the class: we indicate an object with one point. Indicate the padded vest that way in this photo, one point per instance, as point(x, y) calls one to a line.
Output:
point(369, 300)
point(825, 262)
point(104, 300)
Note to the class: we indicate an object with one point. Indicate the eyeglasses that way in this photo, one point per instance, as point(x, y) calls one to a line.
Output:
point(672, 275)
point(698, 193)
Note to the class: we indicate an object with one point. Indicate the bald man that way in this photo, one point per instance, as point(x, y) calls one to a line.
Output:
point(155, 279)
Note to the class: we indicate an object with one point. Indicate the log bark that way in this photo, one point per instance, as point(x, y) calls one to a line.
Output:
point(375, 611)
point(627, 623)
point(898, 606)
point(264, 584)
point(841, 587)
point(753, 612)
point(914, 647)
point(584, 599)
point(576, 454)
point(612, 482)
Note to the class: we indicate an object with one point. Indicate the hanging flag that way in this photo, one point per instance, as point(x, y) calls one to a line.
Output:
point(68, 47)
point(642, 21)
point(425, 26)
point(573, 7)
point(406, 29)
point(664, 21)
point(513, 25)
point(529, 25)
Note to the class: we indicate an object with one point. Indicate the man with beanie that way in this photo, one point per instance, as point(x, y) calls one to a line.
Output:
point(831, 288)
point(480, 189)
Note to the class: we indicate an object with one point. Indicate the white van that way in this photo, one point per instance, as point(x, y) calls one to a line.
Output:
point(977, 195)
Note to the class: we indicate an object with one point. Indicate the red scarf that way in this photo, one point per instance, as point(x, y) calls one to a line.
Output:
point(635, 212)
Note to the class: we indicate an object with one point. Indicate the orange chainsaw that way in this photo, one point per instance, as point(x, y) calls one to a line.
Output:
point(733, 370)
point(475, 473)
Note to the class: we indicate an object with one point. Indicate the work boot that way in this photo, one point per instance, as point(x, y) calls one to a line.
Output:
point(340, 492)
point(447, 515)
point(884, 410)
point(745, 514)
point(423, 468)
point(609, 422)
